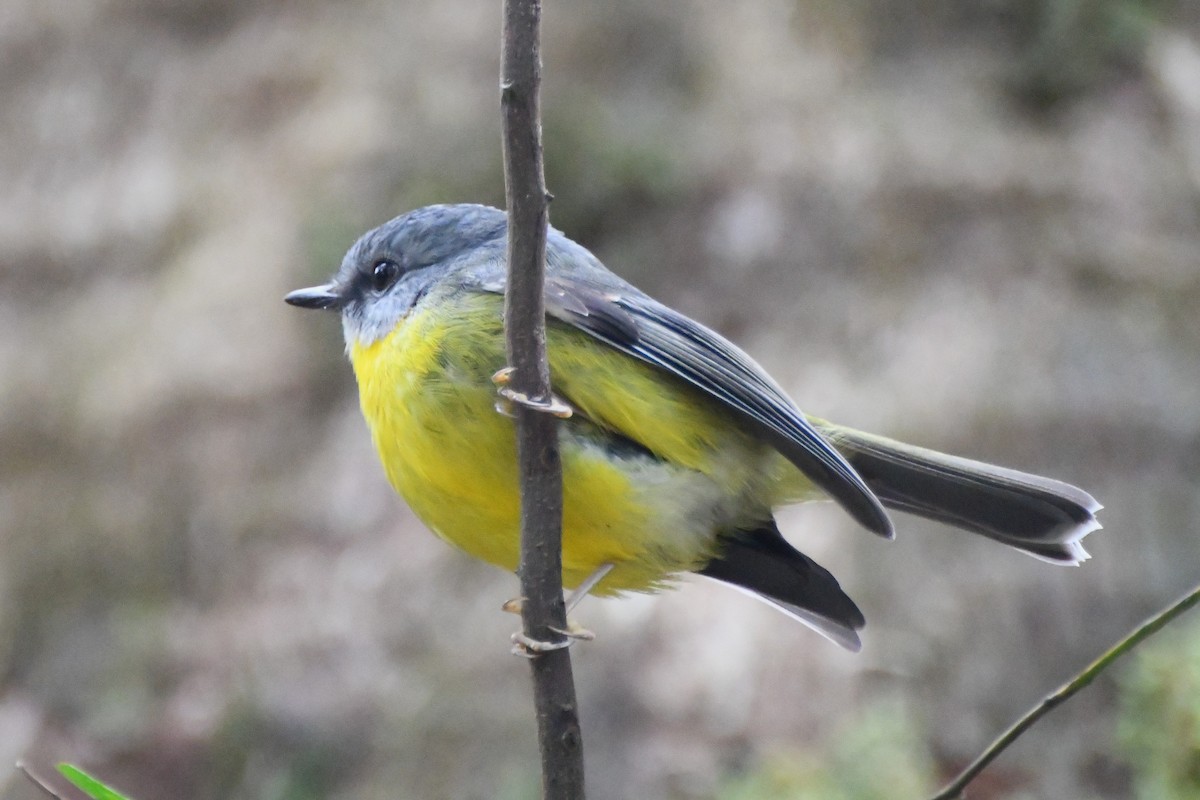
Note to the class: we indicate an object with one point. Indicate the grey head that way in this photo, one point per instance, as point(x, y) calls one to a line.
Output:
point(389, 269)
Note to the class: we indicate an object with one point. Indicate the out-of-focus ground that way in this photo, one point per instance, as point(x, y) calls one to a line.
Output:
point(972, 226)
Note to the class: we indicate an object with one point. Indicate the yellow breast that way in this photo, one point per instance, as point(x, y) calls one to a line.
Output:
point(426, 393)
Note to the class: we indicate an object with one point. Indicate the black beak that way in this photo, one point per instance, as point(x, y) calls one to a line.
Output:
point(315, 297)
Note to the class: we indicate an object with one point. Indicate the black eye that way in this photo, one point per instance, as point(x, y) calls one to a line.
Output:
point(384, 274)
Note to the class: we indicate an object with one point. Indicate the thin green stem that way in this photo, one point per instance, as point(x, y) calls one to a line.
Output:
point(1144, 631)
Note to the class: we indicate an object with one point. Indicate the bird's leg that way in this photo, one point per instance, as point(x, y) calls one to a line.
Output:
point(553, 405)
point(529, 647)
point(589, 583)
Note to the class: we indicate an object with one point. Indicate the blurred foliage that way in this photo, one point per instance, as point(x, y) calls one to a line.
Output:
point(882, 755)
point(1068, 46)
point(598, 167)
point(1159, 724)
point(1058, 49)
point(260, 757)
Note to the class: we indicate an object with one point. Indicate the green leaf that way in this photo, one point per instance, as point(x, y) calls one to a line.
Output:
point(89, 785)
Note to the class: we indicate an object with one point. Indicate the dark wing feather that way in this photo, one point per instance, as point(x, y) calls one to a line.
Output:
point(658, 335)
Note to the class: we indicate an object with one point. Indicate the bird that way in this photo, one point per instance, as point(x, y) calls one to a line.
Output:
point(677, 448)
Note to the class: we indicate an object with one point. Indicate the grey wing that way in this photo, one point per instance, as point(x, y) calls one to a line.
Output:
point(635, 324)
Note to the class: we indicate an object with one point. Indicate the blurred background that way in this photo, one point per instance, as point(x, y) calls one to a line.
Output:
point(971, 226)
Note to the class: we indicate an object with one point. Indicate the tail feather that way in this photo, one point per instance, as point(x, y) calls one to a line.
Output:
point(763, 564)
point(1039, 516)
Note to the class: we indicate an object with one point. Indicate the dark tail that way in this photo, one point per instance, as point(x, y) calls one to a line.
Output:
point(1040, 516)
point(762, 563)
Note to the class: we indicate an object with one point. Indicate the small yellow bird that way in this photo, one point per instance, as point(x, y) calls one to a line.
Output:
point(676, 448)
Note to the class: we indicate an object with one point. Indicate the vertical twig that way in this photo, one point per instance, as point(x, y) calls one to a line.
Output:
point(537, 443)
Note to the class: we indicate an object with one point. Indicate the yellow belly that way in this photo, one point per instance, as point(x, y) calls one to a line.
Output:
point(428, 400)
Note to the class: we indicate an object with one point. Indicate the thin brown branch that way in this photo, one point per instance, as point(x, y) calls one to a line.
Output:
point(537, 442)
point(37, 780)
point(1063, 693)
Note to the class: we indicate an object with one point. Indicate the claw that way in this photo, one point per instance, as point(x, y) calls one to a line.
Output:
point(576, 631)
point(553, 405)
point(528, 647)
point(514, 606)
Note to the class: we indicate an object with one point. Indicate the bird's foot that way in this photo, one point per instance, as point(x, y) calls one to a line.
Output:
point(553, 405)
point(528, 647)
